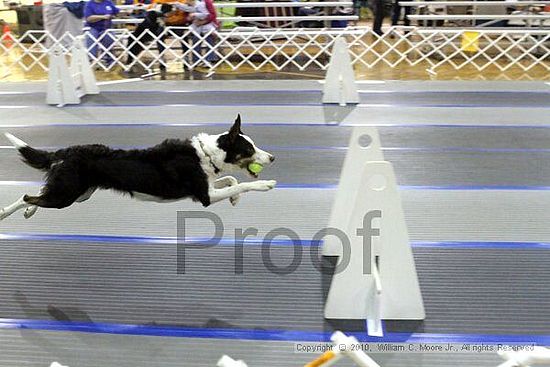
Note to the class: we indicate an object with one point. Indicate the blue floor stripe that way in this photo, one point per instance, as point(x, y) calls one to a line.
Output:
point(476, 187)
point(89, 238)
point(312, 186)
point(263, 335)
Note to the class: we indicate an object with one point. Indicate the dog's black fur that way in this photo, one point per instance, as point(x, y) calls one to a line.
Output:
point(171, 170)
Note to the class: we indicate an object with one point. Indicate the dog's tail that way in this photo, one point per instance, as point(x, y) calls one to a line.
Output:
point(36, 158)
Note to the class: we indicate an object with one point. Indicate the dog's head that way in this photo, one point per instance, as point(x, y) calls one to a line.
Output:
point(240, 150)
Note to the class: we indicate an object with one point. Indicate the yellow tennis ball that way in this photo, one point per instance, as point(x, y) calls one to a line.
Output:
point(255, 167)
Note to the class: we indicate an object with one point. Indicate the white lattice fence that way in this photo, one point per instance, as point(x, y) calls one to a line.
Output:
point(482, 49)
point(299, 49)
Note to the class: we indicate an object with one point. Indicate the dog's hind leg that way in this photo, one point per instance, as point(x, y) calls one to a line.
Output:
point(88, 194)
point(51, 200)
point(9, 210)
point(30, 211)
point(64, 186)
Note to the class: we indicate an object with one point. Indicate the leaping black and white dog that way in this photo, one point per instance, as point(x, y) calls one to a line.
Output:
point(171, 171)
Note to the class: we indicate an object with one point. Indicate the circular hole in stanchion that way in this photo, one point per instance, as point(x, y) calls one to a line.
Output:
point(364, 141)
point(378, 182)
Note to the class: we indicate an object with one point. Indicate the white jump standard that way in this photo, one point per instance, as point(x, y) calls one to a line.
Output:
point(67, 85)
point(378, 280)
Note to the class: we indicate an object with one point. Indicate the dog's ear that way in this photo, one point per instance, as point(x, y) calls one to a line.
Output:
point(236, 128)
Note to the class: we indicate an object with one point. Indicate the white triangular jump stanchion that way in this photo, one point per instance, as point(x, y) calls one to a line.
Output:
point(340, 84)
point(364, 146)
point(226, 361)
point(67, 85)
point(61, 85)
point(81, 69)
point(380, 280)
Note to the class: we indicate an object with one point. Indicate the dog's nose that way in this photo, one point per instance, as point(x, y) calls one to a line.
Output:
point(271, 158)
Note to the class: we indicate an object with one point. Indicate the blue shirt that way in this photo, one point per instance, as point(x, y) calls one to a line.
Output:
point(103, 8)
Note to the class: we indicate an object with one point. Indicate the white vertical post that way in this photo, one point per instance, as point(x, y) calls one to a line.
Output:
point(340, 84)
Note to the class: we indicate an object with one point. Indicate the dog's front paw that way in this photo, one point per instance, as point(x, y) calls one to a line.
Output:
point(264, 185)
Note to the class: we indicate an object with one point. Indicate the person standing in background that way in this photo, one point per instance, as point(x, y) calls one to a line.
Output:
point(98, 15)
point(161, 14)
point(204, 21)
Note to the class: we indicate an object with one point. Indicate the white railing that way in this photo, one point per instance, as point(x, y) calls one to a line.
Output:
point(480, 16)
point(488, 12)
point(271, 4)
point(474, 3)
point(304, 49)
point(324, 13)
point(274, 18)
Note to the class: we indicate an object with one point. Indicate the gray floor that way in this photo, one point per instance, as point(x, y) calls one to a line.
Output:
point(296, 97)
point(117, 283)
point(468, 174)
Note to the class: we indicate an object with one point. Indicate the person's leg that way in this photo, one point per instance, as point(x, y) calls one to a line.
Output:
point(378, 9)
point(211, 56)
point(396, 12)
point(185, 42)
point(140, 37)
point(161, 46)
point(107, 42)
point(197, 44)
point(407, 21)
point(91, 43)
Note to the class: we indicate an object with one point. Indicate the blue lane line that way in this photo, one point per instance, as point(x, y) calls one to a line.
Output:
point(299, 186)
point(263, 335)
point(426, 187)
point(481, 245)
point(476, 187)
point(196, 241)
